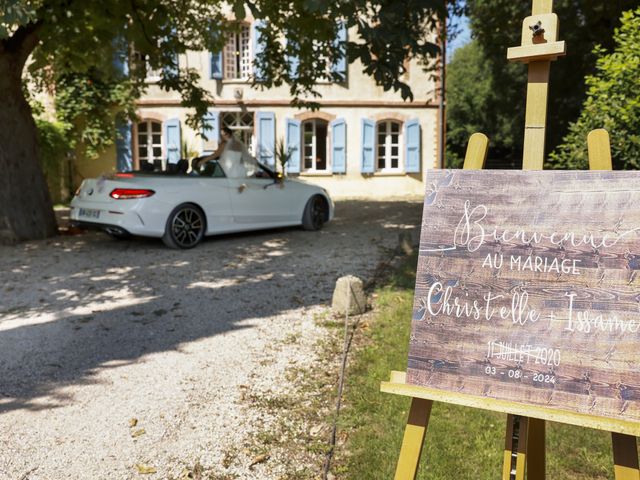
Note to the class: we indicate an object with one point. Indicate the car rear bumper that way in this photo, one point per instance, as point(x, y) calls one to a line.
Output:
point(104, 217)
point(111, 229)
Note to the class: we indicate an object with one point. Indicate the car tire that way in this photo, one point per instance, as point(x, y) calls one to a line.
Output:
point(185, 227)
point(316, 213)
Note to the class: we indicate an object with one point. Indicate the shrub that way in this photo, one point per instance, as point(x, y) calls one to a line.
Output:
point(55, 150)
point(613, 103)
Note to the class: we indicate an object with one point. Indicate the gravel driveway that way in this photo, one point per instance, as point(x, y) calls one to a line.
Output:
point(118, 357)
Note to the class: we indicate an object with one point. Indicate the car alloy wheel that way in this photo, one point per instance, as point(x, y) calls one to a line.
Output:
point(315, 213)
point(185, 227)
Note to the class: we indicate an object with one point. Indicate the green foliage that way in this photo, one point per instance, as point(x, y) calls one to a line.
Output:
point(56, 145)
point(13, 13)
point(283, 155)
point(469, 94)
point(91, 105)
point(82, 45)
point(613, 103)
point(188, 150)
point(85, 45)
point(497, 25)
point(54, 141)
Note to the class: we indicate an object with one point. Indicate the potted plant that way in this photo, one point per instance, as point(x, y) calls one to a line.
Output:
point(283, 155)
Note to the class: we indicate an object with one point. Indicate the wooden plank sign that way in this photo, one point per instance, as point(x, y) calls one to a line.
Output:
point(528, 289)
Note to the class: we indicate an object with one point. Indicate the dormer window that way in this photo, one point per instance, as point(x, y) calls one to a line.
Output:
point(237, 55)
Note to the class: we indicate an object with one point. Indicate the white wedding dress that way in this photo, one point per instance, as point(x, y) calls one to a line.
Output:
point(236, 161)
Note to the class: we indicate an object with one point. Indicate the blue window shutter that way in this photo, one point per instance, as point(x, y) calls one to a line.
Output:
point(340, 44)
point(120, 65)
point(173, 68)
point(339, 145)
point(121, 56)
point(292, 60)
point(123, 146)
point(294, 64)
point(214, 37)
point(292, 142)
point(368, 145)
point(266, 137)
point(258, 46)
point(412, 146)
point(211, 129)
point(172, 140)
point(215, 65)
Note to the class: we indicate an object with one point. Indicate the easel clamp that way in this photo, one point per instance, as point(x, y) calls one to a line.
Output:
point(539, 40)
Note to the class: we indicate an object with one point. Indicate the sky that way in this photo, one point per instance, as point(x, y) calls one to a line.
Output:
point(462, 38)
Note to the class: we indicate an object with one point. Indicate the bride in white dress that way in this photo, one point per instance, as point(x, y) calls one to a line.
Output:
point(235, 159)
point(233, 156)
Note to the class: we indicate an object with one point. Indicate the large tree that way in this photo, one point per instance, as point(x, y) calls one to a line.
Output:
point(79, 45)
point(469, 88)
point(496, 25)
point(613, 102)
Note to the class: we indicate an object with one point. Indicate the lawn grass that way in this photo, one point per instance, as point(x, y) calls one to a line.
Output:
point(461, 443)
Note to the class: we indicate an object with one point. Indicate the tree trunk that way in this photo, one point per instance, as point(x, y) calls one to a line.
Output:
point(26, 211)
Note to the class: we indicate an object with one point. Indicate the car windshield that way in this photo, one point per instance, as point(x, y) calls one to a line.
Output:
point(211, 169)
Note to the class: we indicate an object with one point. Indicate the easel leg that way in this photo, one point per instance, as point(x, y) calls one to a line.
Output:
point(477, 150)
point(413, 439)
point(514, 448)
point(625, 449)
point(625, 457)
point(536, 461)
point(599, 147)
point(524, 443)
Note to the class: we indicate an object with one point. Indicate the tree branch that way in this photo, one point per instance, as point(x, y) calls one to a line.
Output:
point(134, 7)
point(23, 41)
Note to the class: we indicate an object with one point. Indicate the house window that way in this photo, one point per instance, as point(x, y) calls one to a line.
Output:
point(237, 57)
point(388, 145)
point(322, 59)
point(152, 75)
point(241, 123)
point(141, 61)
point(150, 142)
point(314, 141)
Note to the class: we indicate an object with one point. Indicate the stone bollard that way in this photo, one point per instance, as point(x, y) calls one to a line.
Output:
point(352, 297)
point(405, 243)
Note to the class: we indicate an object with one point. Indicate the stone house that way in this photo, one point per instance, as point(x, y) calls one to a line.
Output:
point(362, 142)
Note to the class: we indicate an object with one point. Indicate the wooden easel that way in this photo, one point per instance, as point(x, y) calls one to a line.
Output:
point(524, 452)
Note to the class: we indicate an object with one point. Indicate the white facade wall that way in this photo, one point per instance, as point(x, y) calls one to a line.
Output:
point(352, 183)
point(352, 101)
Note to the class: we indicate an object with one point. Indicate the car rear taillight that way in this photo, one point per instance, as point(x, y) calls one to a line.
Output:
point(124, 175)
point(128, 193)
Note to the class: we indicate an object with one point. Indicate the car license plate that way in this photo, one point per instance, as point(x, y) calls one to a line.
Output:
point(89, 213)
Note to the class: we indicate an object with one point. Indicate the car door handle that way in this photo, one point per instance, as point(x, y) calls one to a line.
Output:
point(242, 188)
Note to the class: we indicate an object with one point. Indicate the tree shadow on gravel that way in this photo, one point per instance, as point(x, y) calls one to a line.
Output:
point(73, 306)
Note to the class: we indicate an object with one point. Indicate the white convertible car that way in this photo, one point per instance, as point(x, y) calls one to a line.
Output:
point(182, 208)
